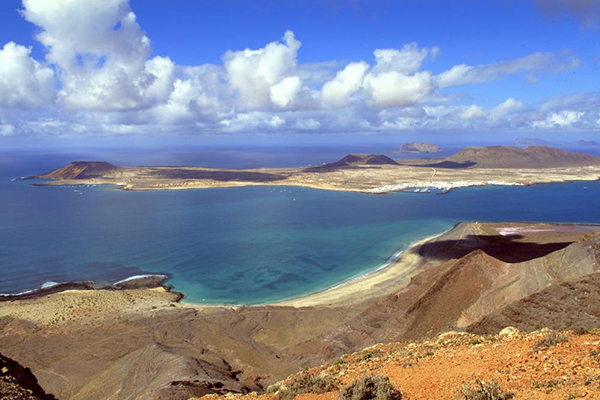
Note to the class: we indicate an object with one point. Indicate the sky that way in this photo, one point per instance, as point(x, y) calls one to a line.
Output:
point(134, 72)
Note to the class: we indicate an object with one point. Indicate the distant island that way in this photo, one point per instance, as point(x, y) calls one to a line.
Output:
point(368, 173)
point(419, 148)
point(542, 142)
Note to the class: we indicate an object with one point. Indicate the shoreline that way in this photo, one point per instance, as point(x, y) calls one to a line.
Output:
point(405, 187)
point(147, 281)
point(397, 270)
point(373, 284)
point(390, 276)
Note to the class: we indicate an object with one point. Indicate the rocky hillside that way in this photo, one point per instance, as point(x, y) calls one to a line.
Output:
point(19, 383)
point(354, 160)
point(477, 275)
point(528, 157)
point(454, 365)
point(81, 170)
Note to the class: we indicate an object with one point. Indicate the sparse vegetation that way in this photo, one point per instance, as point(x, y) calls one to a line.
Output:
point(551, 339)
point(581, 331)
point(369, 355)
point(548, 385)
point(370, 388)
point(489, 390)
point(307, 383)
point(339, 361)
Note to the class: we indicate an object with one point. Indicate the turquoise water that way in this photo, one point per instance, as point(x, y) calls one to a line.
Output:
point(244, 245)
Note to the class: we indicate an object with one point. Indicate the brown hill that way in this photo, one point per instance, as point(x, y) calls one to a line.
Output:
point(81, 170)
point(459, 293)
point(354, 160)
point(529, 157)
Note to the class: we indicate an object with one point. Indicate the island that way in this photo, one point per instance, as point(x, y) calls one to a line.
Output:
point(367, 173)
point(419, 148)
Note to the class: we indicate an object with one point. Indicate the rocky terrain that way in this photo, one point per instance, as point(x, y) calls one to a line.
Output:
point(456, 365)
point(19, 383)
point(143, 343)
point(367, 173)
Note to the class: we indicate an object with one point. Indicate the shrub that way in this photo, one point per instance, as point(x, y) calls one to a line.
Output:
point(551, 339)
point(581, 331)
point(307, 383)
point(484, 391)
point(369, 388)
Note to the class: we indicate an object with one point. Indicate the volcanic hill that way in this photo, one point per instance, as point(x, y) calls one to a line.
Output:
point(81, 170)
point(528, 157)
point(355, 160)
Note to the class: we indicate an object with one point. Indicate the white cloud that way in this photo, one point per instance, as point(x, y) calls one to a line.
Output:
point(101, 53)
point(472, 112)
point(407, 60)
point(197, 95)
point(506, 108)
point(108, 81)
point(284, 92)
point(24, 82)
point(396, 89)
point(307, 124)
point(466, 74)
point(276, 121)
point(253, 73)
point(563, 119)
point(7, 130)
point(337, 91)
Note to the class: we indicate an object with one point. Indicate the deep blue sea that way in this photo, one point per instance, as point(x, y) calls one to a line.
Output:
point(240, 245)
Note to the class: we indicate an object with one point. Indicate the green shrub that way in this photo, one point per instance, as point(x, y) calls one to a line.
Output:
point(370, 388)
point(551, 339)
point(490, 390)
point(307, 383)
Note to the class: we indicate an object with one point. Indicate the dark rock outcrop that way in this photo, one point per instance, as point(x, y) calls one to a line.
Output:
point(19, 383)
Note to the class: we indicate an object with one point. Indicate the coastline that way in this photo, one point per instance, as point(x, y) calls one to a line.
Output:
point(136, 282)
point(390, 277)
point(395, 273)
point(378, 283)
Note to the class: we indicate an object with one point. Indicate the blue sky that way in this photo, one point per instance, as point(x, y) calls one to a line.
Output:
point(177, 70)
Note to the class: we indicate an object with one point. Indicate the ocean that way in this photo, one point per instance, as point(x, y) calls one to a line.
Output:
point(237, 245)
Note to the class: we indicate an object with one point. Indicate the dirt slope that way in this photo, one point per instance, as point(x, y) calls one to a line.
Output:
point(438, 368)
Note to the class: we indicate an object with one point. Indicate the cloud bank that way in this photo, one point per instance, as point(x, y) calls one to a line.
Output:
point(99, 76)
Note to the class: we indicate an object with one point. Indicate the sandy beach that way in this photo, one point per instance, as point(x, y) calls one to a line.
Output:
point(371, 285)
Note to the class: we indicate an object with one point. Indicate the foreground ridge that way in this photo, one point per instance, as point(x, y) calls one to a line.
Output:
point(542, 364)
